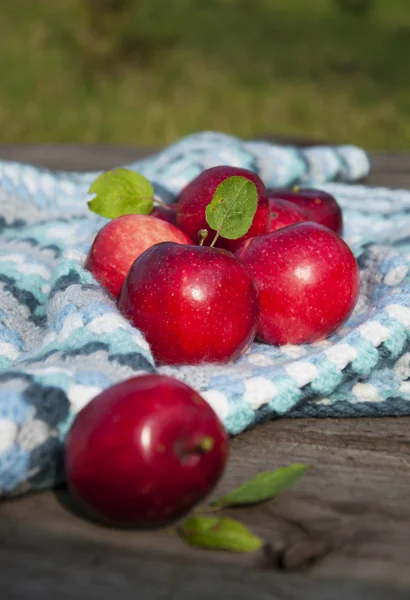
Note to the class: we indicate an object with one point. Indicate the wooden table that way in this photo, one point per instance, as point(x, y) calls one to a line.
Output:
point(343, 532)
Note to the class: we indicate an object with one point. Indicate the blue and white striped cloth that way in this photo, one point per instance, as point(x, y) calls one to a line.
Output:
point(62, 339)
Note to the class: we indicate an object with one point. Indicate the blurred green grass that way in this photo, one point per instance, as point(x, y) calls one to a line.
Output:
point(293, 67)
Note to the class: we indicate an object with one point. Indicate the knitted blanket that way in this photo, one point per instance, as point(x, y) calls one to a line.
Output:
point(62, 339)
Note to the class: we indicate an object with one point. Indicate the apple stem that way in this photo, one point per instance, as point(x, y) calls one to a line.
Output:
point(160, 203)
point(212, 244)
point(189, 450)
point(202, 234)
point(218, 231)
point(205, 444)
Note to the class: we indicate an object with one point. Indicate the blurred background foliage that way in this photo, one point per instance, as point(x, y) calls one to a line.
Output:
point(148, 71)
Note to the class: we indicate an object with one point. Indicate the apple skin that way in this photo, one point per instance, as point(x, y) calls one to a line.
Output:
point(320, 206)
point(308, 282)
point(133, 455)
point(196, 196)
point(283, 213)
point(194, 304)
point(166, 213)
point(121, 241)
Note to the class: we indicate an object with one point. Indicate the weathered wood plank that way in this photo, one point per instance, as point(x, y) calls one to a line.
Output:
point(343, 529)
point(389, 170)
point(77, 570)
point(71, 157)
point(350, 515)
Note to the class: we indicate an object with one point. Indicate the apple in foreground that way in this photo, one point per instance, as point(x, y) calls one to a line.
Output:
point(195, 197)
point(144, 452)
point(283, 213)
point(121, 241)
point(166, 212)
point(320, 206)
point(194, 304)
point(308, 282)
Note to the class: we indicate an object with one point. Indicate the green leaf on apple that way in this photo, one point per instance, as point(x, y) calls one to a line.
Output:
point(263, 486)
point(121, 192)
point(232, 208)
point(219, 534)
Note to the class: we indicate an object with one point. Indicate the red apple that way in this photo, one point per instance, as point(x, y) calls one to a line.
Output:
point(308, 282)
point(193, 303)
point(144, 452)
point(320, 206)
point(166, 213)
point(121, 241)
point(196, 196)
point(283, 213)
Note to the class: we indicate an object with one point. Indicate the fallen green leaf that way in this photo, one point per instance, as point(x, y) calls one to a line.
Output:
point(219, 534)
point(121, 192)
point(232, 208)
point(263, 486)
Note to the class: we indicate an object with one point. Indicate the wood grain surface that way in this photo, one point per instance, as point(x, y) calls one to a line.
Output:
point(343, 532)
point(388, 169)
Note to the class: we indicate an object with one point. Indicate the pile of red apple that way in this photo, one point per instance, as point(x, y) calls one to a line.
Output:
point(148, 449)
point(290, 279)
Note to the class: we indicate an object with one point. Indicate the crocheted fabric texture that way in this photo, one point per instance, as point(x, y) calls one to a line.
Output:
point(62, 339)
